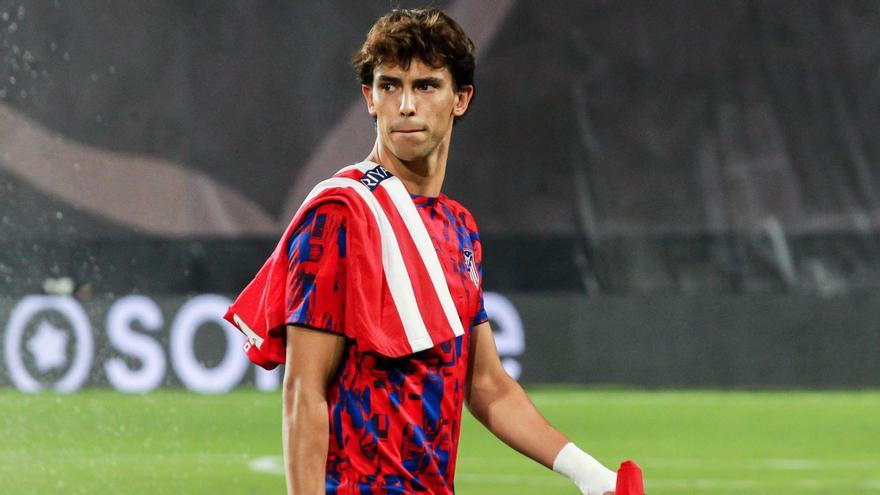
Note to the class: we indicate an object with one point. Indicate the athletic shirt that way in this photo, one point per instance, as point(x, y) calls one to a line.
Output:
point(394, 422)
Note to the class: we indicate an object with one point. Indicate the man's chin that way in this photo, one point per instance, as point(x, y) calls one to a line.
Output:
point(409, 154)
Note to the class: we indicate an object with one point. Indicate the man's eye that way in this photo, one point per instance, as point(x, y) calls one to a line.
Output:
point(427, 86)
point(387, 86)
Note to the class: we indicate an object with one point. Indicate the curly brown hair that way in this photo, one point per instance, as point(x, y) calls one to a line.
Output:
point(426, 34)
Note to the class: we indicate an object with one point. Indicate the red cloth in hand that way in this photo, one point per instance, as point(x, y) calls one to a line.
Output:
point(629, 480)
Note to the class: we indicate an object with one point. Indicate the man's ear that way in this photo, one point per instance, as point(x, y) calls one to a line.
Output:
point(462, 99)
point(368, 97)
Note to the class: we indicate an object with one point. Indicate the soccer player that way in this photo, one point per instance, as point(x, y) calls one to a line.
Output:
point(373, 298)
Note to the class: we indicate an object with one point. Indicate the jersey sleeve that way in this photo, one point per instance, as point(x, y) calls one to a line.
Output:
point(481, 316)
point(316, 253)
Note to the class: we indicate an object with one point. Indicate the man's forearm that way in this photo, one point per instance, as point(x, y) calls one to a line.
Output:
point(305, 435)
point(505, 409)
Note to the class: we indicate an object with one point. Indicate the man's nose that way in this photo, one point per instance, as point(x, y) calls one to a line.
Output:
point(407, 103)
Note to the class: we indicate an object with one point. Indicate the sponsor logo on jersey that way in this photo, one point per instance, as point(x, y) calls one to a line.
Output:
point(373, 177)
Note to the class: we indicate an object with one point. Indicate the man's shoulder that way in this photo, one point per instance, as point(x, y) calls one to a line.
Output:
point(332, 208)
point(334, 196)
point(324, 210)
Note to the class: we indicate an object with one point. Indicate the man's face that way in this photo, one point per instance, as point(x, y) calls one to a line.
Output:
point(414, 107)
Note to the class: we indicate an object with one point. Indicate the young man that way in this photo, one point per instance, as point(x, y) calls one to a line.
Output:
point(373, 298)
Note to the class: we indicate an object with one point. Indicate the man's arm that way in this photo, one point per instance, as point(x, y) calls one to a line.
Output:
point(500, 403)
point(312, 359)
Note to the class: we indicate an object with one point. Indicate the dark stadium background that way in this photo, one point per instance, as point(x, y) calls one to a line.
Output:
point(672, 194)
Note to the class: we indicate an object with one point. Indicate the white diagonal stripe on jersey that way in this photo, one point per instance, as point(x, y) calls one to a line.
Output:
point(315, 191)
point(399, 283)
point(251, 335)
point(413, 221)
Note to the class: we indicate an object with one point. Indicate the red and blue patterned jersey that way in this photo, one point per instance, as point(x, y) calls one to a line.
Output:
point(394, 422)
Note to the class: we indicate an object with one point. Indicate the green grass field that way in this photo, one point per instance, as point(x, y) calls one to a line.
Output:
point(101, 442)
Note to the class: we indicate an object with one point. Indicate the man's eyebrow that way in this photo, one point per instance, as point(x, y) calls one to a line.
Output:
point(422, 80)
point(436, 81)
point(388, 79)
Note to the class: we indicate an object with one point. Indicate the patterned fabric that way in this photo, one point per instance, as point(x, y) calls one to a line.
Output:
point(394, 422)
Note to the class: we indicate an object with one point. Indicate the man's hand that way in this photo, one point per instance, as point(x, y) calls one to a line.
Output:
point(590, 476)
point(603, 481)
point(599, 486)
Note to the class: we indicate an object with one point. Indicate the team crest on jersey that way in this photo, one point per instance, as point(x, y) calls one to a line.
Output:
point(373, 177)
point(471, 266)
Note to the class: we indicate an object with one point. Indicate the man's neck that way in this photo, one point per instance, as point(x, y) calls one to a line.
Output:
point(423, 177)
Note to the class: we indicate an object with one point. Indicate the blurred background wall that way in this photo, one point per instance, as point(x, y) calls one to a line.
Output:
point(680, 193)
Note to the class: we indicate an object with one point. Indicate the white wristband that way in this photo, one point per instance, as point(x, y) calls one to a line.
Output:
point(591, 477)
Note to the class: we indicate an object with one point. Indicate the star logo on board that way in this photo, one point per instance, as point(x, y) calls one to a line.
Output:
point(48, 346)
